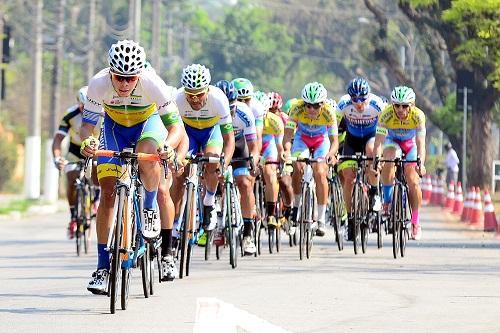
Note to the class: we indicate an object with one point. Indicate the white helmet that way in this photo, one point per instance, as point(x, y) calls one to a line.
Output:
point(195, 77)
point(126, 57)
point(314, 92)
point(403, 95)
point(332, 103)
point(82, 95)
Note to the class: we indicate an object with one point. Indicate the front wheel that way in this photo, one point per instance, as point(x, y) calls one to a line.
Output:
point(125, 288)
point(145, 274)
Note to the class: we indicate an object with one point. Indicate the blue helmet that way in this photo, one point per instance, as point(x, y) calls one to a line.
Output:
point(228, 89)
point(358, 87)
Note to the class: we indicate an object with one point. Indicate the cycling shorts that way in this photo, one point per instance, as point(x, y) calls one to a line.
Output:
point(117, 137)
point(302, 144)
point(200, 139)
point(406, 147)
point(269, 151)
point(241, 151)
point(353, 145)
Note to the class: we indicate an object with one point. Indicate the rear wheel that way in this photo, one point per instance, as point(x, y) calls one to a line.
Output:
point(396, 222)
point(208, 245)
point(358, 216)
point(301, 239)
point(151, 257)
point(271, 232)
point(145, 274)
point(378, 221)
point(186, 229)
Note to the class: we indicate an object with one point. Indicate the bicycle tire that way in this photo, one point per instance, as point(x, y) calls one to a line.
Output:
point(188, 258)
point(356, 206)
point(304, 203)
point(271, 237)
point(380, 238)
point(186, 229)
point(278, 239)
point(145, 272)
point(230, 224)
point(208, 245)
point(125, 288)
point(115, 251)
point(334, 218)
point(151, 270)
point(88, 219)
point(395, 217)
point(404, 225)
point(79, 217)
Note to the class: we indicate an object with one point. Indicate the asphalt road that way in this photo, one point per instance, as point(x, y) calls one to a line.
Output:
point(448, 282)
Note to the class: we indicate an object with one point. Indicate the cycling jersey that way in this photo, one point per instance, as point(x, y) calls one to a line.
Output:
point(390, 125)
point(151, 95)
point(244, 132)
point(272, 136)
point(360, 124)
point(214, 112)
point(324, 124)
point(258, 112)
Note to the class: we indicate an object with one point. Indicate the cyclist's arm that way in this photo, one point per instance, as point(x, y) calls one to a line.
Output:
point(86, 130)
point(334, 143)
point(183, 146)
point(56, 145)
point(228, 137)
point(420, 140)
point(380, 135)
point(287, 139)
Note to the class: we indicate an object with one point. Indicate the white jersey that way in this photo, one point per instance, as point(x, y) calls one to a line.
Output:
point(360, 124)
point(244, 123)
point(150, 95)
point(258, 112)
point(215, 111)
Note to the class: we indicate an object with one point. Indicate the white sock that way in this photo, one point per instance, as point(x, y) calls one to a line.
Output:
point(209, 198)
point(321, 213)
point(296, 200)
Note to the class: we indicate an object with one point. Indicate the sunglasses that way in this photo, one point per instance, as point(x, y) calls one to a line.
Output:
point(404, 106)
point(195, 94)
point(121, 78)
point(359, 99)
point(244, 99)
point(314, 106)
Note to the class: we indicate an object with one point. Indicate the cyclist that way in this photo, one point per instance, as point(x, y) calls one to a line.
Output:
point(70, 126)
point(137, 107)
point(359, 109)
point(272, 149)
point(316, 129)
point(402, 125)
point(246, 95)
point(205, 111)
point(245, 136)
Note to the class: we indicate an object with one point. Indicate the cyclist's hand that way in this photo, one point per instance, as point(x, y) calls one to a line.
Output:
point(168, 153)
point(331, 158)
point(285, 155)
point(59, 162)
point(88, 146)
point(421, 170)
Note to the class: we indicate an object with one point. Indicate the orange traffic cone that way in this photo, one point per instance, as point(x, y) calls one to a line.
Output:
point(490, 220)
point(426, 190)
point(477, 218)
point(432, 200)
point(450, 197)
point(467, 206)
point(459, 201)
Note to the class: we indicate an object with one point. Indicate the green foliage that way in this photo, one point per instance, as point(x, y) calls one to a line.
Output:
point(480, 22)
point(433, 162)
point(8, 159)
point(448, 117)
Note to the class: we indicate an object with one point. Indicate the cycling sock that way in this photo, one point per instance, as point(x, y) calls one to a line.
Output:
point(247, 227)
point(150, 199)
point(72, 211)
point(166, 242)
point(296, 200)
point(102, 257)
point(387, 189)
point(97, 194)
point(209, 198)
point(287, 212)
point(321, 213)
point(414, 217)
point(271, 208)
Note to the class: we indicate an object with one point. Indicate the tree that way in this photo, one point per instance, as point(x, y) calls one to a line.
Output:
point(468, 32)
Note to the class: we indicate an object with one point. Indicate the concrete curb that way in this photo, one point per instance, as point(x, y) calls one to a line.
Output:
point(38, 209)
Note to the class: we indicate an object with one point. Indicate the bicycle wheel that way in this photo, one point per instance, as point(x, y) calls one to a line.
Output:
point(145, 275)
point(257, 236)
point(114, 276)
point(151, 269)
point(335, 218)
point(125, 288)
point(378, 221)
point(396, 221)
point(231, 224)
point(278, 239)
point(404, 225)
point(208, 245)
point(271, 235)
point(358, 216)
point(365, 224)
point(88, 219)
point(186, 230)
point(189, 256)
point(302, 223)
point(79, 216)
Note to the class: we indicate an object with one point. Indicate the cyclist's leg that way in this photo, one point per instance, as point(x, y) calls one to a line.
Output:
point(391, 150)
point(212, 147)
point(71, 196)
point(270, 154)
point(321, 146)
point(413, 181)
point(299, 149)
point(372, 177)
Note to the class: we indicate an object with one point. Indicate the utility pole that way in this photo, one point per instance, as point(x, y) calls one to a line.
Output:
point(51, 179)
point(33, 144)
point(1, 56)
point(91, 40)
point(136, 21)
point(464, 135)
point(155, 43)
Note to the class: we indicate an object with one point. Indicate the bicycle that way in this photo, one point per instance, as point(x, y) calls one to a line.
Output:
point(274, 233)
point(400, 216)
point(335, 211)
point(308, 206)
point(84, 195)
point(125, 242)
point(359, 202)
point(260, 212)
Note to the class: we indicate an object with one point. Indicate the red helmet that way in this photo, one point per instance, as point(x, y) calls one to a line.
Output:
point(276, 100)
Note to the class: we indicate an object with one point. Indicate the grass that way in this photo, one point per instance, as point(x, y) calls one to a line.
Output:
point(16, 205)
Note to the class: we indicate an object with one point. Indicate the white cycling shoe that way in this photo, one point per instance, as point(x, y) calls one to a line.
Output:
point(151, 227)
point(98, 285)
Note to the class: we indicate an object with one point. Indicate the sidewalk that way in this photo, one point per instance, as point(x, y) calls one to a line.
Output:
point(37, 207)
